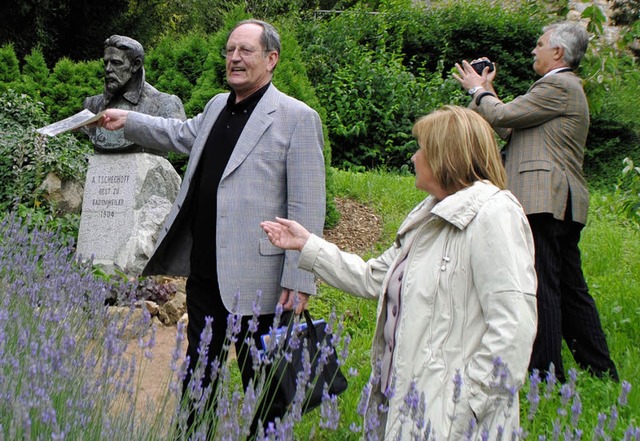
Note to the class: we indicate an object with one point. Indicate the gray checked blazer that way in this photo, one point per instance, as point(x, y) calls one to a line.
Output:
point(276, 169)
point(546, 130)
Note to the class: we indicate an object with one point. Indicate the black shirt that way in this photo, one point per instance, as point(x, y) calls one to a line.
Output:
point(215, 156)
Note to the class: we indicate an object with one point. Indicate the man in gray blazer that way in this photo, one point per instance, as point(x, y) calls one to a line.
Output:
point(546, 131)
point(255, 154)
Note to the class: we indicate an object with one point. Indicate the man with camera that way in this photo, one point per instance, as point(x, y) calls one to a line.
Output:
point(546, 131)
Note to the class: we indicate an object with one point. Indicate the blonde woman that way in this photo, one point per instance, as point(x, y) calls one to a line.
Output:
point(456, 291)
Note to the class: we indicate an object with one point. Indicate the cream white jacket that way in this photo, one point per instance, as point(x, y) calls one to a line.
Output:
point(468, 296)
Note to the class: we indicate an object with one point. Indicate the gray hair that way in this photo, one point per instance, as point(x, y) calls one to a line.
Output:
point(131, 47)
point(570, 36)
point(270, 38)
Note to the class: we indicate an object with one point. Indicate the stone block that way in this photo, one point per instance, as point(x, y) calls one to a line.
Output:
point(127, 198)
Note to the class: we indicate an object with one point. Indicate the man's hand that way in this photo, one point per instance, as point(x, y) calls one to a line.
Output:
point(286, 234)
point(469, 78)
point(113, 119)
point(290, 299)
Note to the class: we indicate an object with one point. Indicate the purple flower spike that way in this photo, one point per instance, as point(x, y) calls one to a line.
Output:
point(457, 386)
point(533, 396)
point(624, 393)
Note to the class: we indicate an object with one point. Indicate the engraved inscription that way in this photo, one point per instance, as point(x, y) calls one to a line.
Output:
point(107, 194)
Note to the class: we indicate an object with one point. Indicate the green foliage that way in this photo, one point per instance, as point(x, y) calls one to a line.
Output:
point(65, 225)
point(34, 74)
point(376, 73)
point(26, 158)
point(213, 77)
point(35, 67)
point(626, 199)
point(467, 30)
point(596, 19)
point(77, 30)
point(175, 65)
point(33, 78)
point(612, 83)
point(610, 140)
point(69, 84)
point(9, 68)
point(205, 16)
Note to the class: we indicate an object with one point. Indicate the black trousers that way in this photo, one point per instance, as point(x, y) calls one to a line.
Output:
point(203, 300)
point(565, 307)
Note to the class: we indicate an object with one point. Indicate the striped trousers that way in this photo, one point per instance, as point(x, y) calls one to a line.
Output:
point(565, 307)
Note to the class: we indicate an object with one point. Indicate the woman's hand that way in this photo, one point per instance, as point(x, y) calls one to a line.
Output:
point(286, 234)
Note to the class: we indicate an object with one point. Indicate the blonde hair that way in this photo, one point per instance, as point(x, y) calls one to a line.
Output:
point(460, 148)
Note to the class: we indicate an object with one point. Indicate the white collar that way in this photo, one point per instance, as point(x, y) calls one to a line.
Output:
point(458, 209)
point(555, 71)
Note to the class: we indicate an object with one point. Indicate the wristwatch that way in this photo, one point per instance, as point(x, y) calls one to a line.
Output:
point(473, 90)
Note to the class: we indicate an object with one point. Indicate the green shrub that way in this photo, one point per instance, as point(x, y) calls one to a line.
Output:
point(376, 72)
point(458, 31)
point(612, 82)
point(174, 66)
point(26, 158)
point(69, 84)
point(9, 67)
point(33, 78)
point(35, 75)
point(626, 198)
point(610, 140)
point(62, 89)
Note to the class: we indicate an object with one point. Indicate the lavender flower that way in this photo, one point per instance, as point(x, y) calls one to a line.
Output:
point(457, 386)
point(624, 393)
point(253, 323)
point(557, 429)
point(576, 410)
point(566, 392)
point(75, 351)
point(533, 396)
point(598, 432)
point(344, 353)
point(518, 434)
point(551, 381)
point(632, 433)
point(371, 425)
point(364, 398)
point(329, 413)
point(613, 420)
point(573, 377)
point(468, 434)
point(72, 388)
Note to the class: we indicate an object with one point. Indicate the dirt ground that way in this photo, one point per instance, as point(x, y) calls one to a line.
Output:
point(358, 230)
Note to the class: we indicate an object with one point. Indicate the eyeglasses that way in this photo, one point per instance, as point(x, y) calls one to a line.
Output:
point(244, 52)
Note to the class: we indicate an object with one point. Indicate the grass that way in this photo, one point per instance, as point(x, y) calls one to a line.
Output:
point(104, 408)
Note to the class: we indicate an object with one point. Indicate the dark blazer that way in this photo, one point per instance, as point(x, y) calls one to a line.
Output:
point(276, 169)
point(546, 131)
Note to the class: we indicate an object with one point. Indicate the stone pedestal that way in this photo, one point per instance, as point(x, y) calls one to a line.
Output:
point(126, 200)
